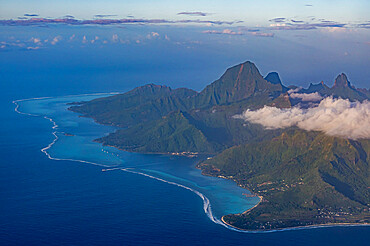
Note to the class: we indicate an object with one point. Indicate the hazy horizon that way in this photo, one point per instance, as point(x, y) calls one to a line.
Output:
point(194, 42)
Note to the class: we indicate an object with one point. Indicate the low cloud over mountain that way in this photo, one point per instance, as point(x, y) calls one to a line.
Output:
point(305, 97)
point(335, 117)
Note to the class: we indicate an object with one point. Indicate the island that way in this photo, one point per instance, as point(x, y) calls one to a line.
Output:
point(303, 178)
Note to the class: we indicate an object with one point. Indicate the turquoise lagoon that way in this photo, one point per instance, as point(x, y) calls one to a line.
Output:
point(73, 141)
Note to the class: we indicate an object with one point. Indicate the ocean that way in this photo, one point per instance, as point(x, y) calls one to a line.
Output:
point(49, 198)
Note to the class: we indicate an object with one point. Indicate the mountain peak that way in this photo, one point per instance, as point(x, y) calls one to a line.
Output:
point(238, 76)
point(237, 83)
point(247, 66)
point(273, 77)
point(342, 81)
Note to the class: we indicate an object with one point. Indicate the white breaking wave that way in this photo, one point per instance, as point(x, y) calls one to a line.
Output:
point(206, 203)
point(55, 126)
point(207, 208)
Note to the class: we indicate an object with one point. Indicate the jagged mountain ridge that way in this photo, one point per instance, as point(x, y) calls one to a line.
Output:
point(342, 88)
point(210, 110)
point(334, 172)
point(155, 101)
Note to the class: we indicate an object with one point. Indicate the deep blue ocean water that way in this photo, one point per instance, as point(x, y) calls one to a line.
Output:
point(58, 202)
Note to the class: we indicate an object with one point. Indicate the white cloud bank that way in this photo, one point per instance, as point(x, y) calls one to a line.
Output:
point(306, 97)
point(335, 117)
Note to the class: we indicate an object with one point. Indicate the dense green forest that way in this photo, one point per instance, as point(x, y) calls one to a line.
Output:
point(304, 177)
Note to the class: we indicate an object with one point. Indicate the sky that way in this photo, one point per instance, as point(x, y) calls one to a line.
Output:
point(305, 41)
point(253, 12)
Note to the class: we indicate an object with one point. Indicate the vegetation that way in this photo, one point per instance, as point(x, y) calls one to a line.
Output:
point(304, 177)
point(142, 104)
point(145, 113)
point(172, 133)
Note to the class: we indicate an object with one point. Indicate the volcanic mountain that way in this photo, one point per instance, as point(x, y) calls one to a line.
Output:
point(304, 177)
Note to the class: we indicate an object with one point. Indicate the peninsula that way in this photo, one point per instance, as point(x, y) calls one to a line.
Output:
point(303, 177)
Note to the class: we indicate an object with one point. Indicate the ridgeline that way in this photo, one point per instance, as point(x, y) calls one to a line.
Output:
point(305, 178)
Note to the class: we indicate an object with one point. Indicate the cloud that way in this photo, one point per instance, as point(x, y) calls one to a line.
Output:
point(72, 21)
point(33, 48)
point(263, 34)
point(225, 31)
point(206, 22)
point(336, 29)
point(306, 97)
point(17, 43)
point(152, 35)
point(296, 21)
point(257, 32)
point(334, 117)
point(115, 38)
point(251, 29)
point(95, 39)
point(36, 40)
point(308, 5)
point(294, 90)
point(84, 40)
point(364, 25)
point(278, 20)
point(56, 40)
point(104, 16)
point(297, 25)
point(31, 15)
point(193, 13)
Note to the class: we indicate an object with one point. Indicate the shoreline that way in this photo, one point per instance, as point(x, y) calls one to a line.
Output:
point(229, 226)
point(170, 154)
point(248, 210)
point(294, 227)
point(205, 199)
point(206, 203)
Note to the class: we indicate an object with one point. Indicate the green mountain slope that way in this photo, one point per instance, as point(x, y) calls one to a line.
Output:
point(145, 103)
point(238, 83)
point(211, 111)
point(304, 177)
point(217, 126)
point(240, 87)
point(172, 133)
